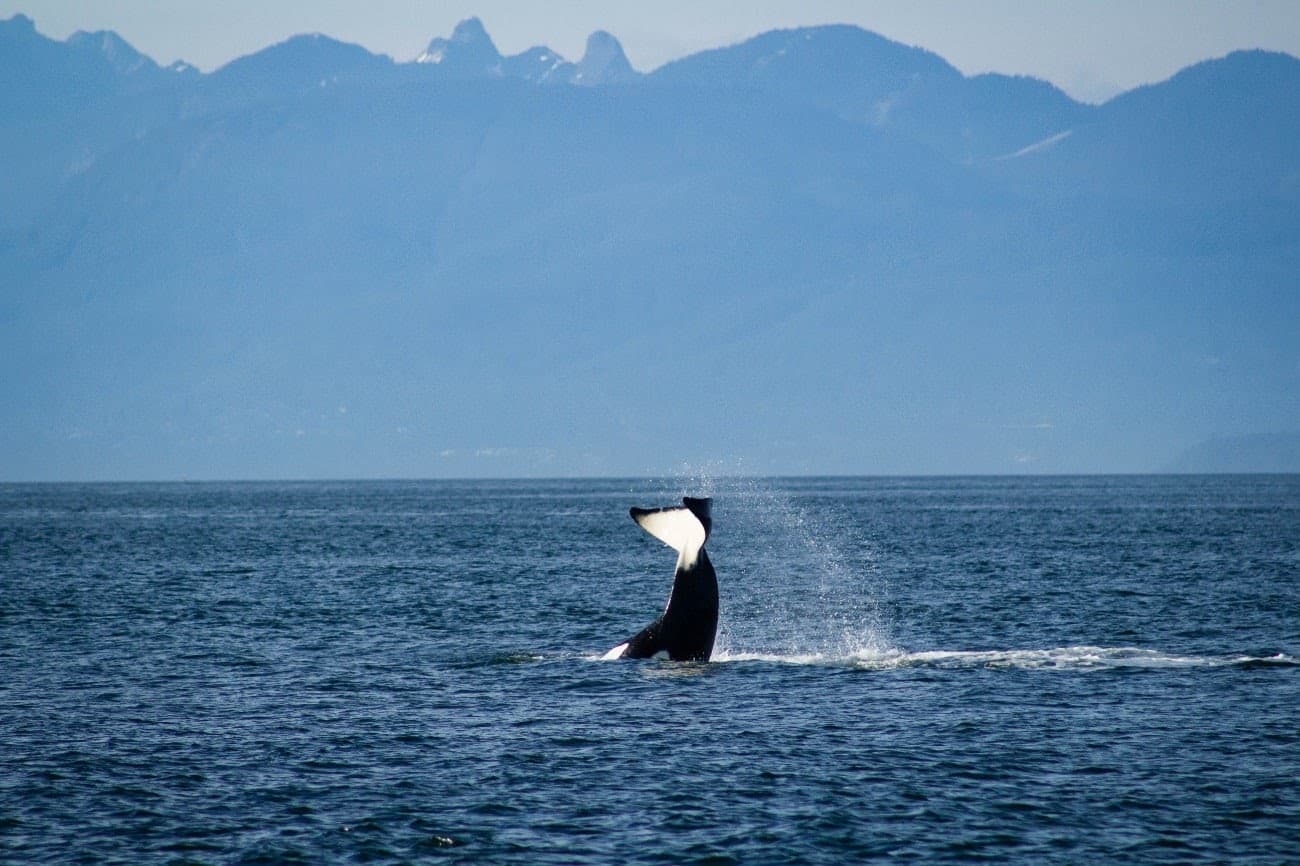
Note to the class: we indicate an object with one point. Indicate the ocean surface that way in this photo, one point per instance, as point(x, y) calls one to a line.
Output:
point(1016, 670)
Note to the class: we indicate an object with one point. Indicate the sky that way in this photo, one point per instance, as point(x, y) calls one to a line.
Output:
point(1092, 49)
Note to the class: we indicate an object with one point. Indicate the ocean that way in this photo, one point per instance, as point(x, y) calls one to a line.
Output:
point(916, 670)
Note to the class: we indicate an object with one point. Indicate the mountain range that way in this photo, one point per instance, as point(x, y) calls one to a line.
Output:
point(817, 250)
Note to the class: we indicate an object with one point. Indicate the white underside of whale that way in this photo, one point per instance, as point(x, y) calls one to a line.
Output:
point(679, 529)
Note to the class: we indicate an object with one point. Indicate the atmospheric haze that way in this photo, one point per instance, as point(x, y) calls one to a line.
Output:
point(817, 250)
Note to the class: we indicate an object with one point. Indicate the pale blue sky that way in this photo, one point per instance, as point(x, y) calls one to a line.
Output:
point(1090, 49)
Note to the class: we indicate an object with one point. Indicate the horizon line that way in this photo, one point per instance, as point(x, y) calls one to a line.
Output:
point(379, 479)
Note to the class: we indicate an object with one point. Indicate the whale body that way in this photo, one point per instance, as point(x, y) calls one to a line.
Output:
point(686, 629)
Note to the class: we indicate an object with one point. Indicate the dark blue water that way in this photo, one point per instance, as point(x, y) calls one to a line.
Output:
point(1086, 670)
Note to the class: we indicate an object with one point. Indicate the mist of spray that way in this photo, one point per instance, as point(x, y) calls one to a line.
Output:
point(797, 577)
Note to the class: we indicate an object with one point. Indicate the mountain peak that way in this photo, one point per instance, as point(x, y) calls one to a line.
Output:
point(604, 62)
point(19, 30)
point(299, 61)
point(539, 64)
point(603, 40)
point(119, 53)
point(20, 22)
point(832, 55)
point(470, 31)
point(1221, 87)
point(469, 51)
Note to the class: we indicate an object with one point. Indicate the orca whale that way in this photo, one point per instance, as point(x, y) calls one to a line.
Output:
point(689, 623)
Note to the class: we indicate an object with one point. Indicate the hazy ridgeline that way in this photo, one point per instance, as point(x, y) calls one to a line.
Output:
point(815, 251)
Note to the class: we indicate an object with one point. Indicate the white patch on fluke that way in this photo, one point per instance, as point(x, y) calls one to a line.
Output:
point(679, 529)
point(615, 653)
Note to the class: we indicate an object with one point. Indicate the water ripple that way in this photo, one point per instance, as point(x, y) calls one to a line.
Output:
point(925, 670)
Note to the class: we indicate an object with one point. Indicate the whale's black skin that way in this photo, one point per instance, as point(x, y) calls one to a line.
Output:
point(685, 630)
point(689, 624)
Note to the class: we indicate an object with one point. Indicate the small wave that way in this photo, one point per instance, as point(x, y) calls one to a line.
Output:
point(1060, 658)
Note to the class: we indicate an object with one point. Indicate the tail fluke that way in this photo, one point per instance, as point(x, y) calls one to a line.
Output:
point(684, 528)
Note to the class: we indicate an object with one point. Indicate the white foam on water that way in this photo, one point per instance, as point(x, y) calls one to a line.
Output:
point(1058, 658)
point(1075, 658)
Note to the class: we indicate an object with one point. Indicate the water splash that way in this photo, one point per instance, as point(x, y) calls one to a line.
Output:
point(797, 578)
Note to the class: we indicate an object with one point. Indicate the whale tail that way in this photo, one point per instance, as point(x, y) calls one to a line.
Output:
point(684, 527)
point(685, 630)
